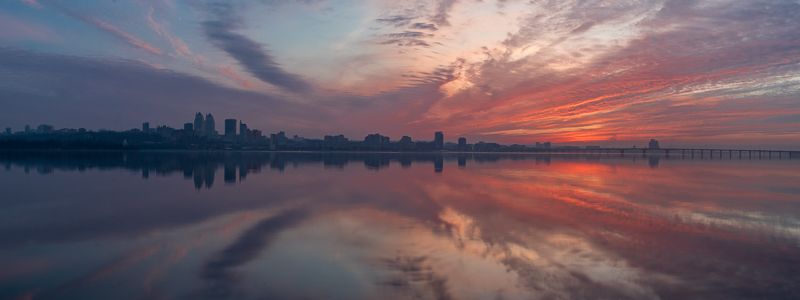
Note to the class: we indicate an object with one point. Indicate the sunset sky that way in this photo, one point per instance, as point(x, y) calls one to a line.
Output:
point(689, 73)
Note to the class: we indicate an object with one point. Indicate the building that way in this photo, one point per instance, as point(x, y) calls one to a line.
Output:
point(243, 129)
point(27, 129)
point(462, 143)
point(653, 144)
point(146, 127)
point(188, 127)
point(44, 128)
point(230, 128)
point(8, 130)
point(278, 139)
point(210, 127)
point(376, 141)
point(545, 145)
point(256, 135)
point(198, 123)
point(438, 140)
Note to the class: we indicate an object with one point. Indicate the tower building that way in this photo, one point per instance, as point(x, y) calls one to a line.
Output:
point(210, 127)
point(198, 123)
point(438, 140)
point(230, 128)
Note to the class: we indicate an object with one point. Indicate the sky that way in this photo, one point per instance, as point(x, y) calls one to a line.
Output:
point(614, 73)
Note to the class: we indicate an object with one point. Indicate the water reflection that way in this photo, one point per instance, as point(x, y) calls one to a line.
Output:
point(396, 226)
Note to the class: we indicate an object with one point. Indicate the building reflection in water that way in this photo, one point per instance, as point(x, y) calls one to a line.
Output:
point(396, 226)
point(202, 167)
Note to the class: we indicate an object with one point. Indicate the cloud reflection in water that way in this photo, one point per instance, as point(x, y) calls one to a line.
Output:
point(349, 226)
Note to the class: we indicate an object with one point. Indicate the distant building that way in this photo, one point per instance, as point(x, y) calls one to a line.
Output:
point(27, 128)
point(487, 147)
point(545, 145)
point(8, 130)
point(188, 127)
point(405, 140)
point(230, 128)
point(256, 135)
point(44, 128)
point(438, 140)
point(243, 130)
point(653, 144)
point(376, 141)
point(278, 139)
point(210, 127)
point(335, 139)
point(198, 123)
point(146, 127)
point(462, 143)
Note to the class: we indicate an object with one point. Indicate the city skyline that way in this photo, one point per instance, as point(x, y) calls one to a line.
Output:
point(237, 132)
point(699, 74)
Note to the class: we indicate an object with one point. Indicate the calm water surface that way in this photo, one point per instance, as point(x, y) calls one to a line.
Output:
point(111, 225)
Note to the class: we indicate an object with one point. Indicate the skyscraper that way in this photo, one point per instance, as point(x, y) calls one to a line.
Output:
point(438, 140)
point(230, 128)
point(653, 144)
point(198, 124)
point(243, 129)
point(210, 127)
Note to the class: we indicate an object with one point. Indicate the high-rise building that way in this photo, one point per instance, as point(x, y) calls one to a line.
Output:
point(230, 128)
point(462, 143)
point(210, 127)
point(438, 140)
point(198, 123)
point(653, 144)
point(146, 127)
point(242, 129)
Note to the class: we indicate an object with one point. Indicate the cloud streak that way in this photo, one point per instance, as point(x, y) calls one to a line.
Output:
point(250, 54)
point(122, 35)
point(178, 45)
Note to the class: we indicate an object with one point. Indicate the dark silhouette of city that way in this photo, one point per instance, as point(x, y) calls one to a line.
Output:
point(201, 134)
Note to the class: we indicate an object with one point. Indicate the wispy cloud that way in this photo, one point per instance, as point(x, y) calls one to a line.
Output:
point(109, 28)
point(122, 35)
point(442, 14)
point(221, 31)
point(178, 45)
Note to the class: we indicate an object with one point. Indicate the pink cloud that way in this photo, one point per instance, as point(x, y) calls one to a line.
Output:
point(231, 73)
point(32, 3)
point(177, 43)
point(127, 37)
point(15, 29)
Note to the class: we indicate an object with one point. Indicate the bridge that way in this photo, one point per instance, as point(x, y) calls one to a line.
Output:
point(686, 152)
